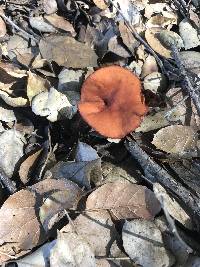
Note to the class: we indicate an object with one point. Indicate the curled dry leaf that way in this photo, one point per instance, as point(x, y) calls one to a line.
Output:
point(125, 200)
point(13, 101)
point(176, 139)
point(71, 250)
point(173, 207)
point(36, 85)
point(153, 41)
point(27, 165)
point(97, 228)
point(11, 150)
point(142, 241)
point(60, 23)
point(52, 105)
point(20, 228)
point(68, 52)
point(190, 40)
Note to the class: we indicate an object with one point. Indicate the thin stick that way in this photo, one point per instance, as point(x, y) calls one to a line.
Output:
point(172, 224)
point(18, 28)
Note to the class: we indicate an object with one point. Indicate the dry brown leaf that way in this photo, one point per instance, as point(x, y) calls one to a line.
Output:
point(150, 35)
point(2, 28)
point(176, 139)
point(142, 241)
point(36, 85)
point(20, 228)
point(127, 37)
point(68, 52)
point(60, 23)
point(96, 228)
point(27, 165)
point(101, 4)
point(124, 200)
point(71, 250)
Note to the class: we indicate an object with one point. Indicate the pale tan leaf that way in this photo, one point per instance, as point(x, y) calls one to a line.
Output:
point(36, 85)
point(68, 52)
point(127, 37)
point(96, 228)
point(11, 150)
point(176, 139)
point(71, 250)
point(100, 4)
point(13, 101)
point(150, 35)
point(60, 23)
point(142, 241)
point(26, 166)
point(124, 200)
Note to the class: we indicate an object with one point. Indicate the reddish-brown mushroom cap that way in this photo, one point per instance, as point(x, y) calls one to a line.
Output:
point(111, 101)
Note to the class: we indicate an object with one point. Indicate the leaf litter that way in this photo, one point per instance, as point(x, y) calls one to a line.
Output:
point(73, 196)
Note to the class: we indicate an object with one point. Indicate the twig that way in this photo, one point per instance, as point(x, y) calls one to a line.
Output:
point(155, 173)
point(18, 28)
point(172, 224)
point(186, 83)
point(7, 182)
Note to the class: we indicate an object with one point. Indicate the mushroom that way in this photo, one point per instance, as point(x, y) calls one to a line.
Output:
point(111, 101)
